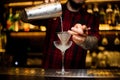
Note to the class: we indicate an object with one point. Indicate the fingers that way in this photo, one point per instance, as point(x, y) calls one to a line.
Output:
point(78, 39)
point(46, 1)
point(72, 32)
point(79, 33)
point(52, 0)
point(79, 29)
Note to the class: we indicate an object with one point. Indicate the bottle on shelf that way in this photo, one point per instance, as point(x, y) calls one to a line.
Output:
point(89, 9)
point(96, 9)
point(94, 60)
point(102, 60)
point(102, 16)
point(3, 38)
point(109, 14)
point(0, 36)
point(88, 59)
point(104, 40)
point(16, 16)
point(116, 40)
point(17, 22)
point(117, 15)
point(10, 20)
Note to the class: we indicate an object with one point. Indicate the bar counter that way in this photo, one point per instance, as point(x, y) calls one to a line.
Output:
point(17, 73)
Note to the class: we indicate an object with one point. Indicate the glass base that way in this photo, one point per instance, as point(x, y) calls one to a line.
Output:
point(62, 72)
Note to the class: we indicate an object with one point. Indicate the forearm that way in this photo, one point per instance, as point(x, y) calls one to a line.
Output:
point(89, 43)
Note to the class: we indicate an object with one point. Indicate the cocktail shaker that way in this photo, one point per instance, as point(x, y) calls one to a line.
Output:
point(42, 11)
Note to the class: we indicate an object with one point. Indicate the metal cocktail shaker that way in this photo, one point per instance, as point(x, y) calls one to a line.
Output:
point(42, 11)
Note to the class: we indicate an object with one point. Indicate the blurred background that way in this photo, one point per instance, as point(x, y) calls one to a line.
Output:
point(21, 43)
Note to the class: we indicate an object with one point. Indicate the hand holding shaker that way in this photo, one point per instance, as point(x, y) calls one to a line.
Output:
point(42, 11)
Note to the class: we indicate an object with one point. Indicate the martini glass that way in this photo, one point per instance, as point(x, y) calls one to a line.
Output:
point(63, 44)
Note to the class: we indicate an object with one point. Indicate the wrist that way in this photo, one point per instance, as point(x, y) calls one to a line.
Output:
point(90, 42)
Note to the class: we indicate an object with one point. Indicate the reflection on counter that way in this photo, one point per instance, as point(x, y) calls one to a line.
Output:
point(48, 74)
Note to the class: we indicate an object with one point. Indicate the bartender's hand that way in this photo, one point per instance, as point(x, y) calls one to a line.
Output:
point(49, 1)
point(79, 33)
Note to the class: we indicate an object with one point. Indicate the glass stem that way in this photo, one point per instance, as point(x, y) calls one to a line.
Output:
point(63, 70)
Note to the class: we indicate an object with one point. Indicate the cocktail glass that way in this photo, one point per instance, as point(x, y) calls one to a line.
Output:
point(63, 44)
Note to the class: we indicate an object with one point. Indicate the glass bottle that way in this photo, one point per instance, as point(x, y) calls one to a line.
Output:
point(88, 59)
point(104, 40)
point(94, 60)
point(102, 16)
point(109, 14)
point(17, 23)
point(10, 20)
point(116, 40)
point(89, 9)
point(117, 15)
point(0, 36)
point(96, 10)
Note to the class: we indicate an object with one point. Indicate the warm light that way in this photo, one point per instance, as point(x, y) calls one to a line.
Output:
point(104, 27)
point(42, 28)
point(32, 71)
point(100, 0)
point(26, 71)
point(29, 3)
point(20, 3)
point(24, 34)
point(31, 26)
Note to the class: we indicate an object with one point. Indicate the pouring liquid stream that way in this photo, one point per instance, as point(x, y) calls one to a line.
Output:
point(61, 23)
